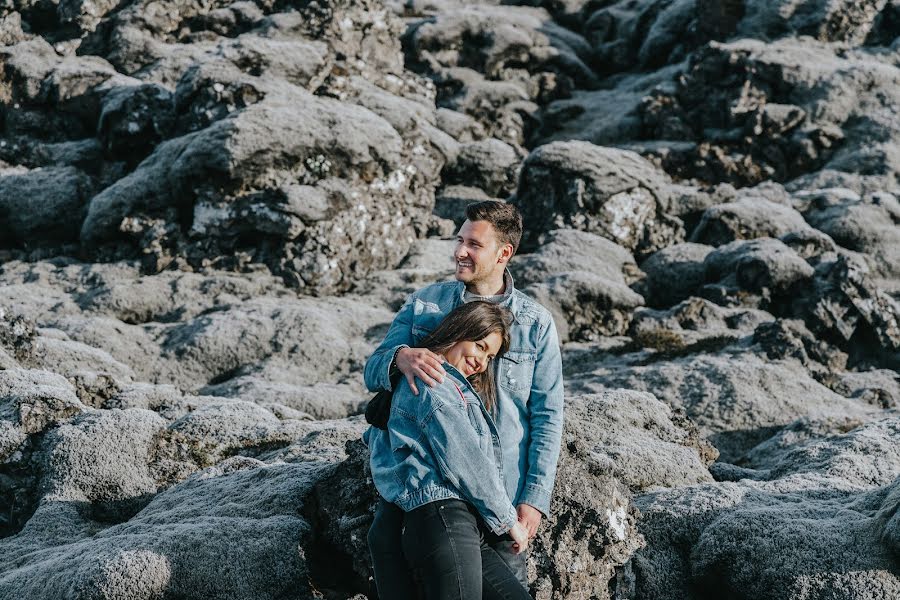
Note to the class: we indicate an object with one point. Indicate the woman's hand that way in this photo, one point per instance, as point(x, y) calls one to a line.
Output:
point(520, 537)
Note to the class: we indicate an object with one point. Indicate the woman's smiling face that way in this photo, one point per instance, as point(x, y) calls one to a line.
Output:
point(473, 357)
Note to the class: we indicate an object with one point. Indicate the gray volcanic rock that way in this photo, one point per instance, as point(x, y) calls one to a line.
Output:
point(510, 37)
point(317, 401)
point(242, 513)
point(735, 397)
point(610, 192)
point(868, 225)
point(879, 387)
point(842, 21)
point(515, 56)
point(842, 488)
point(103, 458)
point(211, 91)
point(185, 425)
point(43, 206)
point(311, 251)
point(746, 219)
point(32, 401)
point(134, 119)
point(450, 202)
point(762, 266)
point(691, 324)
point(674, 273)
point(754, 111)
point(461, 126)
point(844, 305)
point(789, 338)
point(606, 116)
point(195, 331)
point(652, 33)
point(584, 305)
point(582, 279)
point(490, 165)
point(566, 250)
point(640, 440)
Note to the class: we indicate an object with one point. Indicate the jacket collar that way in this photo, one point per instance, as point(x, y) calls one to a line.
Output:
point(509, 289)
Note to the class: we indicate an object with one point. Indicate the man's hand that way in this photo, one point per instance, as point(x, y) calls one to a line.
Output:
point(530, 517)
point(421, 363)
point(520, 537)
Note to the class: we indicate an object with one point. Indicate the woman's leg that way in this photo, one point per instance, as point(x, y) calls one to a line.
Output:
point(442, 545)
point(392, 577)
point(500, 583)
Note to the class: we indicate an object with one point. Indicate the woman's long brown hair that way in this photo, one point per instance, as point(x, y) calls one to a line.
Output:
point(471, 322)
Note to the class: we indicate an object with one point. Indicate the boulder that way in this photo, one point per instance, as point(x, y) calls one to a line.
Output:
point(32, 401)
point(749, 111)
point(609, 192)
point(737, 398)
point(845, 307)
point(691, 324)
point(674, 273)
point(867, 225)
point(582, 279)
point(451, 201)
point(747, 218)
point(720, 537)
point(489, 164)
point(503, 40)
point(843, 21)
point(43, 207)
point(308, 247)
point(765, 267)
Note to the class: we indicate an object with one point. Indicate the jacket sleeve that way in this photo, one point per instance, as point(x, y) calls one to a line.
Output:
point(461, 461)
point(377, 371)
point(545, 416)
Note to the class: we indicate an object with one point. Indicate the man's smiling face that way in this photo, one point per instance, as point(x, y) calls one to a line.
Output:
point(477, 252)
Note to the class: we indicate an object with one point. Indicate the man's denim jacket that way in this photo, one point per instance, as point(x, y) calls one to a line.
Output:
point(441, 444)
point(529, 382)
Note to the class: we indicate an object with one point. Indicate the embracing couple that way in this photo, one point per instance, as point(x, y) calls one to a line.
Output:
point(466, 466)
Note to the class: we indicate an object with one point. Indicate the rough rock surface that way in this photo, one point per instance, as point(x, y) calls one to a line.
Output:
point(613, 193)
point(583, 279)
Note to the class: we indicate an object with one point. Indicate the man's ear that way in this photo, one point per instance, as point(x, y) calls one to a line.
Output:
point(506, 252)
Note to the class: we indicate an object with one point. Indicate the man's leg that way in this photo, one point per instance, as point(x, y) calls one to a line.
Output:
point(517, 563)
point(392, 576)
point(500, 583)
point(442, 544)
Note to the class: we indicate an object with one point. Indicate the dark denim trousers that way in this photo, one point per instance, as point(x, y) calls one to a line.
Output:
point(439, 551)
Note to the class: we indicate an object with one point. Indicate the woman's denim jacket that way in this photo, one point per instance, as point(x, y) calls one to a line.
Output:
point(529, 415)
point(441, 444)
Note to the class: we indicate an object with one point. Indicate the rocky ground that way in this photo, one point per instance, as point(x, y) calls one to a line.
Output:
point(209, 212)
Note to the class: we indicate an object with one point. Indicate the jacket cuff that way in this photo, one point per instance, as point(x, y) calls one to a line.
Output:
point(506, 524)
point(536, 496)
point(391, 366)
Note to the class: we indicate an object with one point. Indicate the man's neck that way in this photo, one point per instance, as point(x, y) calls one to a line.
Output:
point(493, 287)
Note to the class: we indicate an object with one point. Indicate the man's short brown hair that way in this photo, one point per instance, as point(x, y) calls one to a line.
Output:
point(506, 219)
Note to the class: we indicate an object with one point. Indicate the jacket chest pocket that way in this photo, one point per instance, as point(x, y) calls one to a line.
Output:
point(516, 370)
point(476, 418)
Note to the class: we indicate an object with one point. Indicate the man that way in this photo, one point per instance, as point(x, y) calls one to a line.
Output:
point(529, 376)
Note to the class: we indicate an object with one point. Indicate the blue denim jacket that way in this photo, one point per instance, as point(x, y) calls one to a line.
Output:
point(441, 444)
point(529, 383)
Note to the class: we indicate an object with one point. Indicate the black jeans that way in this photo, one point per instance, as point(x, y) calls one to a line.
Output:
point(450, 556)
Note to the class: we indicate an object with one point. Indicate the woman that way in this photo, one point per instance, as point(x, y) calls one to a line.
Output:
point(439, 461)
